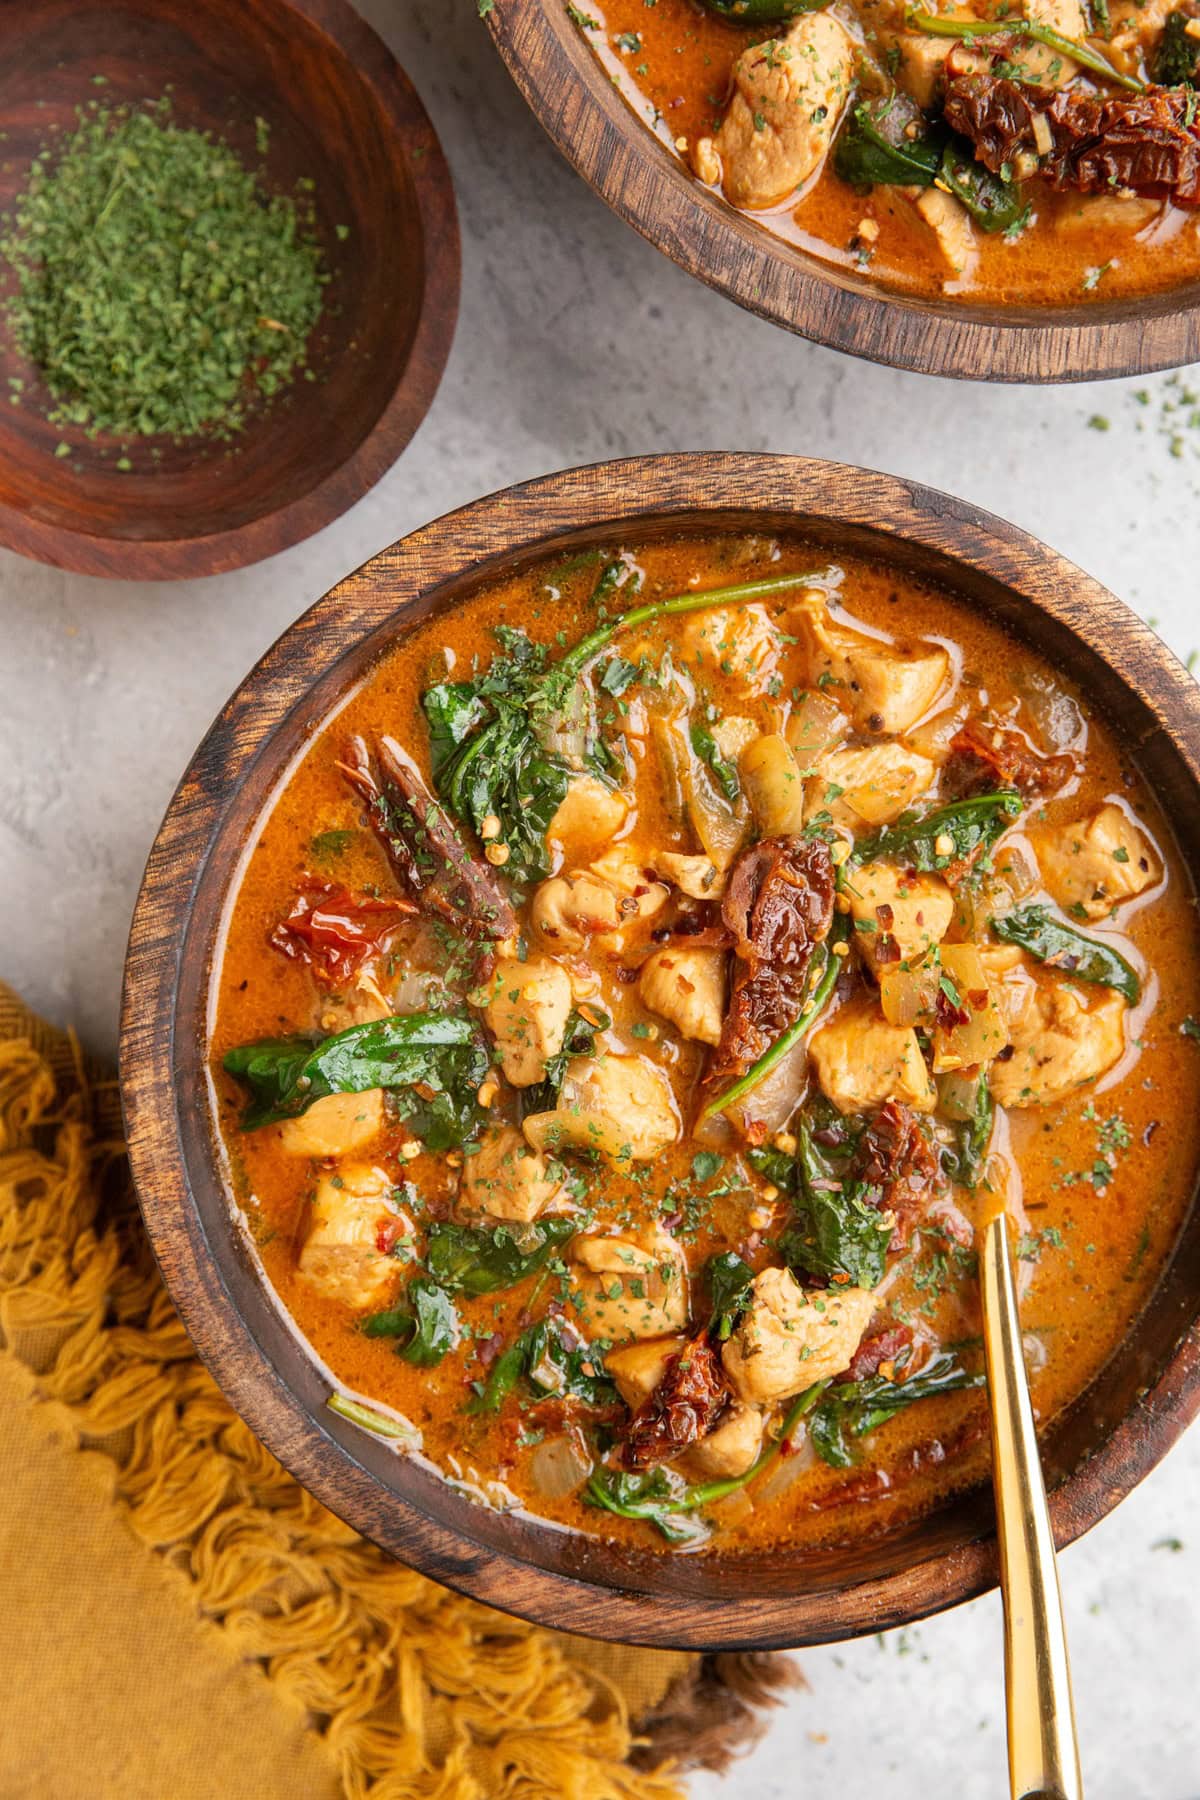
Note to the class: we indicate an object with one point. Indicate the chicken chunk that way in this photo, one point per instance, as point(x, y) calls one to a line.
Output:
point(620, 1106)
point(353, 1226)
point(868, 787)
point(789, 97)
point(740, 646)
point(791, 1337)
point(508, 1179)
point(950, 223)
point(695, 876)
point(598, 904)
point(898, 915)
point(1091, 866)
point(639, 1367)
point(589, 813)
point(886, 687)
point(629, 1287)
point(731, 1449)
point(861, 1061)
point(1040, 64)
point(688, 988)
point(336, 1125)
point(773, 785)
point(1061, 1039)
point(920, 62)
point(527, 1009)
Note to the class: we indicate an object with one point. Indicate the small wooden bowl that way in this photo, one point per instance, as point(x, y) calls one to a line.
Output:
point(600, 135)
point(341, 113)
point(1115, 1433)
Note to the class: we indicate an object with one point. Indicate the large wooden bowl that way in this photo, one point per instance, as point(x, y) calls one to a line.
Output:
point(341, 114)
point(598, 132)
point(1107, 1442)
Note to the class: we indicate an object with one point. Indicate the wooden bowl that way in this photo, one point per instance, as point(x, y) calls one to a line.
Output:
point(1095, 1454)
point(601, 136)
point(341, 113)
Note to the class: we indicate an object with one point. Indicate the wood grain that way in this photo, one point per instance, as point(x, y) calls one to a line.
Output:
point(600, 135)
point(1118, 1430)
point(341, 114)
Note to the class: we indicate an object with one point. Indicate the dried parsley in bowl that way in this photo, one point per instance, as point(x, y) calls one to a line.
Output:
point(159, 287)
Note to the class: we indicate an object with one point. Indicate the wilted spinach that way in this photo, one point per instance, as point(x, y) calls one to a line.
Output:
point(472, 1260)
point(1057, 944)
point(851, 1409)
point(994, 204)
point(889, 141)
point(579, 1039)
point(729, 1281)
point(549, 1357)
point(836, 1231)
point(965, 1157)
point(441, 1053)
point(424, 1322)
point(971, 826)
point(723, 772)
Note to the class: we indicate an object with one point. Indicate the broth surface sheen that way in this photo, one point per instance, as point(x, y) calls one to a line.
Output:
point(523, 1240)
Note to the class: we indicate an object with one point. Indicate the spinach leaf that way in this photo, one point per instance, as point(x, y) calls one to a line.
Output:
point(763, 12)
point(851, 1409)
point(579, 1039)
point(971, 826)
point(874, 145)
point(424, 1318)
point(994, 204)
point(669, 1502)
point(470, 1260)
point(965, 1158)
point(442, 1052)
point(723, 771)
point(836, 1231)
point(729, 1281)
point(1058, 945)
point(1175, 60)
point(453, 710)
point(551, 1358)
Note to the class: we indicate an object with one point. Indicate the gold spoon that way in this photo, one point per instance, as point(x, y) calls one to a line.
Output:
point(1043, 1751)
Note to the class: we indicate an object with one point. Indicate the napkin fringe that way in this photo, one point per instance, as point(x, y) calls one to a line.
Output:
point(418, 1693)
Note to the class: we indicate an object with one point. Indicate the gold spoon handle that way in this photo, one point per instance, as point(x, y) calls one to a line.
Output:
point(1043, 1753)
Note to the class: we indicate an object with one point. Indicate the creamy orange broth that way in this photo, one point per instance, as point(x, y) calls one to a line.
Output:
point(1092, 1245)
point(1076, 249)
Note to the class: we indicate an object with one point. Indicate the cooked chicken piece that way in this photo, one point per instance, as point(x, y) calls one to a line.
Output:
point(1061, 1038)
point(629, 1287)
point(731, 1449)
point(862, 1061)
point(692, 875)
point(352, 1228)
point(789, 99)
point(871, 786)
point(335, 1125)
point(1039, 64)
point(597, 904)
point(1137, 25)
point(791, 1337)
point(507, 1179)
point(740, 646)
point(589, 813)
point(950, 223)
point(620, 1106)
point(639, 1367)
point(1091, 866)
point(1122, 211)
point(920, 62)
point(886, 687)
point(527, 1009)
point(688, 988)
point(898, 914)
point(772, 783)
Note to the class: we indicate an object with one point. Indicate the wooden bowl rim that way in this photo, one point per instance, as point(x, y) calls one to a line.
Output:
point(618, 156)
point(330, 1458)
point(221, 552)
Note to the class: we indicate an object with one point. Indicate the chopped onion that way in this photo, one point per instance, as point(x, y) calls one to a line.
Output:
point(558, 1467)
point(815, 726)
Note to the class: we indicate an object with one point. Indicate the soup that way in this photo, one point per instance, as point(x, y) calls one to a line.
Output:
point(643, 990)
point(1037, 154)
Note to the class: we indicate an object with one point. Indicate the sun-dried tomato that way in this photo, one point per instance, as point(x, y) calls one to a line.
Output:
point(985, 757)
point(1146, 143)
point(683, 1408)
point(881, 1347)
point(336, 932)
point(895, 1158)
point(778, 907)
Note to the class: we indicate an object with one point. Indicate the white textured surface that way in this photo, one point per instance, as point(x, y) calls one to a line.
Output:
point(579, 342)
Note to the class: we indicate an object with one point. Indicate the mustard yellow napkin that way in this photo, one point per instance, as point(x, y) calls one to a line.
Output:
point(182, 1621)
